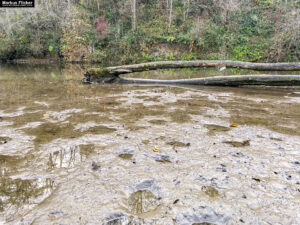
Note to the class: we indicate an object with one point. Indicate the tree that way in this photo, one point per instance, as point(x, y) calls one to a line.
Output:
point(133, 10)
point(170, 13)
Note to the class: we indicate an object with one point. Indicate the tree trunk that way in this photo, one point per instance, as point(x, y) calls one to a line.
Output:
point(197, 63)
point(111, 74)
point(133, 9)
point(186, 15)
point(170, 13)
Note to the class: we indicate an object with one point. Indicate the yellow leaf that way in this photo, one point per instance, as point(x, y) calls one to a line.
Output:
point(156, 149)
point(233, 125)
point(46, 115)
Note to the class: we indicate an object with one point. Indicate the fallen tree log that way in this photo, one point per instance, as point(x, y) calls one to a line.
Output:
point(116, 70)
point(111, 74)
point(268, 80)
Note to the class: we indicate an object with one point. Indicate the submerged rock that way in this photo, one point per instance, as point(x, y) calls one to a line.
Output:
point(163, 158)
point(203, 215)
point(57, 213)
point(213, 128)
point(143, 200)
point(210, 191)
point(117, 219)
point(238, 144)
point(95, 166)
point(178, 144)
point(4, 140)
point(204, 223)
point(126, 154)
point(123, 219)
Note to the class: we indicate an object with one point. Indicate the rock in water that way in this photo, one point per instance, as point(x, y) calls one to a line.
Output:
point(95, 166)
point(203, 215)
point(120, 218)
point(163, 159)
point(126, 154)
point(117, 219)
point(142, 201)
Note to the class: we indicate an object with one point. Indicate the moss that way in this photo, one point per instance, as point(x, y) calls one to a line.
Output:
point(97, 72)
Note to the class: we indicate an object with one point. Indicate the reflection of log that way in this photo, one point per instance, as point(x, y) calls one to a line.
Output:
point(197, 63)
point(111, 74)
point(268, 80)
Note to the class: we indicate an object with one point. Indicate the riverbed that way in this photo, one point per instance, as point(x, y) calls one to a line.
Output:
point(123, 154)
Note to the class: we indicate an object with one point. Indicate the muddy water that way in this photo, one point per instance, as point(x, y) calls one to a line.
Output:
point(110, 154)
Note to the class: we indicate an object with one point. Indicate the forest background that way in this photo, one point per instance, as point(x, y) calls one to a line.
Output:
point(133, 31)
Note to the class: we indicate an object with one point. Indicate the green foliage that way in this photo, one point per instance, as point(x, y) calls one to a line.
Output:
point(250, 31)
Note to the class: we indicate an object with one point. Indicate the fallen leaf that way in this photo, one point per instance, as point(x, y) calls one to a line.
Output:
point(156, 149)
point(46, 115)
point(233, 125)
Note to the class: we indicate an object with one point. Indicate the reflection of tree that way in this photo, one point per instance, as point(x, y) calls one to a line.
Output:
point(69, 157)
point(16, 192)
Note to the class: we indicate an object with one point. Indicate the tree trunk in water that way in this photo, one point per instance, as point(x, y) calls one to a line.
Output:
point(197, 63)
point(111, 74)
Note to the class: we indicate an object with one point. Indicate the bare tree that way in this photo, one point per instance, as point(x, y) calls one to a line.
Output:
point(170, 13)
point(133, 10)
point(186, 12)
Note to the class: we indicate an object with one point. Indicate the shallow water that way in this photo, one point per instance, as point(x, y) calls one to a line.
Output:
point(111, 154)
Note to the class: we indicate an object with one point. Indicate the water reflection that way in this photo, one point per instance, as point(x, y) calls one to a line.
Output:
point(18, 192)
point(9, 164)
point(169, 74)
point(69, 157)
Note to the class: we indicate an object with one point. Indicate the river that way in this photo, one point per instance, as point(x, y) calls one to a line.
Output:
point(122, 154)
